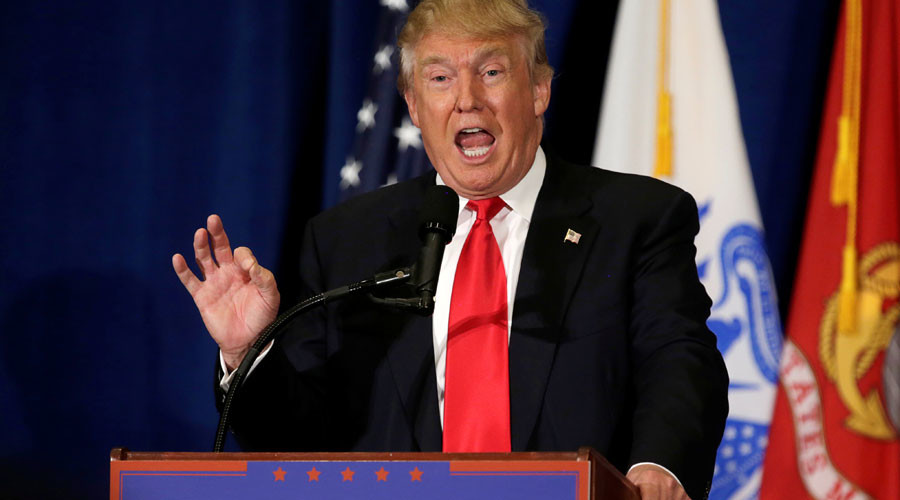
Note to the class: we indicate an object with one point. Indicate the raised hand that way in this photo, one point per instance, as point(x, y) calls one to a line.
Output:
point(237, 297)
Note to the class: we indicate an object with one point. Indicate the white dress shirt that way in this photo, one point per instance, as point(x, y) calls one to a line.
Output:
point(510, 227)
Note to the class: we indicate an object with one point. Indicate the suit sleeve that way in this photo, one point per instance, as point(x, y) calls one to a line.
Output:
point(280, 406)
point(680, 380)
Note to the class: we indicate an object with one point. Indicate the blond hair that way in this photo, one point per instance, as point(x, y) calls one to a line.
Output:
point(486, 19)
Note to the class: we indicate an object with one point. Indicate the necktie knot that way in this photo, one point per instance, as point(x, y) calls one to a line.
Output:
point(486, 209)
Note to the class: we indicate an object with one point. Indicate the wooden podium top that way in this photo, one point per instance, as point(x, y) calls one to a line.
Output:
point(583, 454)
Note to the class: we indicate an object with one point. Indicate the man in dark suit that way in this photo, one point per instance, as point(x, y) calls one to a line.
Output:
point(607, 343)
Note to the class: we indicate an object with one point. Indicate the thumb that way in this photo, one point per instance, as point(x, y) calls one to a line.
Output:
point(261, 277)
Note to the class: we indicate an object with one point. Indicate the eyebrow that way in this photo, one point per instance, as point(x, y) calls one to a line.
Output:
point(480, 55)
point(489, 52)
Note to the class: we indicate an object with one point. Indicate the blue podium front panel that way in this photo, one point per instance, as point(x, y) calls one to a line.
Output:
point(339, 480)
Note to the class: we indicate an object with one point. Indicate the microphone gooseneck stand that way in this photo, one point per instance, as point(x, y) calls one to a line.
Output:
point(397, 276)
point(437, 224)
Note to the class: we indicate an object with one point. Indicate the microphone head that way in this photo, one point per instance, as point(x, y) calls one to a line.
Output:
point(440, 210)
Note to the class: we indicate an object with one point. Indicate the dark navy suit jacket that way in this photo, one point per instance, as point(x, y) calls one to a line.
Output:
point(609, 346)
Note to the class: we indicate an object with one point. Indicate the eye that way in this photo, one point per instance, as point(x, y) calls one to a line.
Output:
point(492, 72)
point(439, 78)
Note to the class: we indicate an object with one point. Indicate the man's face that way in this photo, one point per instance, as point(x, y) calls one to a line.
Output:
point(479, 111)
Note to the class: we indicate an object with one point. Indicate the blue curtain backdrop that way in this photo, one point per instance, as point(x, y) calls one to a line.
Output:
point(124, 124)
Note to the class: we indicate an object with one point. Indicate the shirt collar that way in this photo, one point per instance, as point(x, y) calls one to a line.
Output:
point(523, 196)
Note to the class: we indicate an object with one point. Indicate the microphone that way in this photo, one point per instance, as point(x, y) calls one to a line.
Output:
point(437, 224)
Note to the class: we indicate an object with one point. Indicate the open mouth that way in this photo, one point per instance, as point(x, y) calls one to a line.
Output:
point(474, 142)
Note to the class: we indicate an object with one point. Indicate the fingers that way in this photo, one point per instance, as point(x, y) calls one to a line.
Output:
point(184, 274)
point(221, 246)
point(655, 482)
point(202, 253)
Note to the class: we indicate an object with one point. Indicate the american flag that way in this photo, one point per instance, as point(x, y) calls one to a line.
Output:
point(387, 147)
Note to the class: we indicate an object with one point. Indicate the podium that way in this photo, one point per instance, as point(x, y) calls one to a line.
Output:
point(581, 475)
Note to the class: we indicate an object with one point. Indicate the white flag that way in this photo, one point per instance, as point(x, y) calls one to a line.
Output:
point(699, 140)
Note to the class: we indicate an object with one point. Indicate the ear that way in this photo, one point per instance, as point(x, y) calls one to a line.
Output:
point(541, 96)
point(410, 97)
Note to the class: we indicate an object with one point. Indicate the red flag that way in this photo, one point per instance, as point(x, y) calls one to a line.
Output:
point(832, 435)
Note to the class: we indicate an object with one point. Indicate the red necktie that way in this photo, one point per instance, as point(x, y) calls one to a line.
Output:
point(476, 391)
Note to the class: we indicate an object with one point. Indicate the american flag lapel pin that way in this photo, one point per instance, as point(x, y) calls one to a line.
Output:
point(572, 236)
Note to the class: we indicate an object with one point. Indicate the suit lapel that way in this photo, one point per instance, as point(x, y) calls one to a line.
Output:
point(411, 355)
point(551, 268)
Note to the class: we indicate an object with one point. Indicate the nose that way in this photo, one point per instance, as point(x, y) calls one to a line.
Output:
point(470, 94)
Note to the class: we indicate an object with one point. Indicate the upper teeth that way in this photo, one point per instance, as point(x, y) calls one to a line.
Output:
point(471, 130)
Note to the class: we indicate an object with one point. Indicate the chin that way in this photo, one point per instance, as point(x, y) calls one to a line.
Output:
point(469, 179)
point(479, 187)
